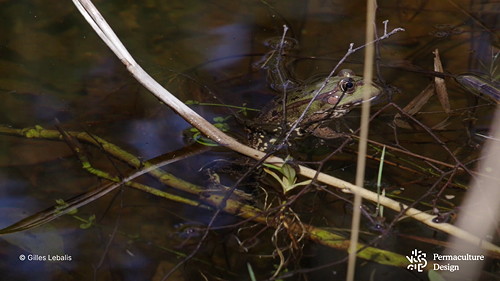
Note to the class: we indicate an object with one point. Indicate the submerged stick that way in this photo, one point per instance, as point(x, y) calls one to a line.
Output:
point(206, 199)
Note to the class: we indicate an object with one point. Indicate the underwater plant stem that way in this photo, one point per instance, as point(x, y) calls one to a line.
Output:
point(206, 199)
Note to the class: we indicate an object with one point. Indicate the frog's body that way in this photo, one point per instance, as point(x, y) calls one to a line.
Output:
point(332, 98)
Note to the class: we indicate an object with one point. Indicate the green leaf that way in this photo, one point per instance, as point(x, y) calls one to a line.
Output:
point(272, 166)
point(250, 272)
point(61, 204)
point(274, 175)
point(297, 185)
point(289, 172)
point(88, 223)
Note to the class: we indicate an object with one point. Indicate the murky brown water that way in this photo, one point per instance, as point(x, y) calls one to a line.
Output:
point(53, 67)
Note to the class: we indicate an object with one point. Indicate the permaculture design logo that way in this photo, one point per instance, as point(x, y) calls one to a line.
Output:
point(417, 260)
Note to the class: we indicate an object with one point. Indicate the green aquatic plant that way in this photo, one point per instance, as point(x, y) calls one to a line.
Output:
point(288, 179)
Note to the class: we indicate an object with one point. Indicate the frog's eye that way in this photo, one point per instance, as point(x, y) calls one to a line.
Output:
point(347, 85)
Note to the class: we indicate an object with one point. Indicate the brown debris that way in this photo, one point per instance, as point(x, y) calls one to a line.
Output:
point(440, 84)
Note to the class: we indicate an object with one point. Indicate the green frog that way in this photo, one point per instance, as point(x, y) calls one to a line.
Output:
point(332, 98)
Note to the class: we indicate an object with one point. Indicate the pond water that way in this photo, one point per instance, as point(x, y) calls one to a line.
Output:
point(56, 73)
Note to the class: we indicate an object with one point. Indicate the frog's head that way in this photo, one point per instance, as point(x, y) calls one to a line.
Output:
point(345, 91)
point(336, 97)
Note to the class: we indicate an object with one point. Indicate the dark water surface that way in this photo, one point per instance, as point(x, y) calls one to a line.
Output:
point(53, 67)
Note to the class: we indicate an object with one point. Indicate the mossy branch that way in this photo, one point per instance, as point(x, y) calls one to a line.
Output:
point(214, 199)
